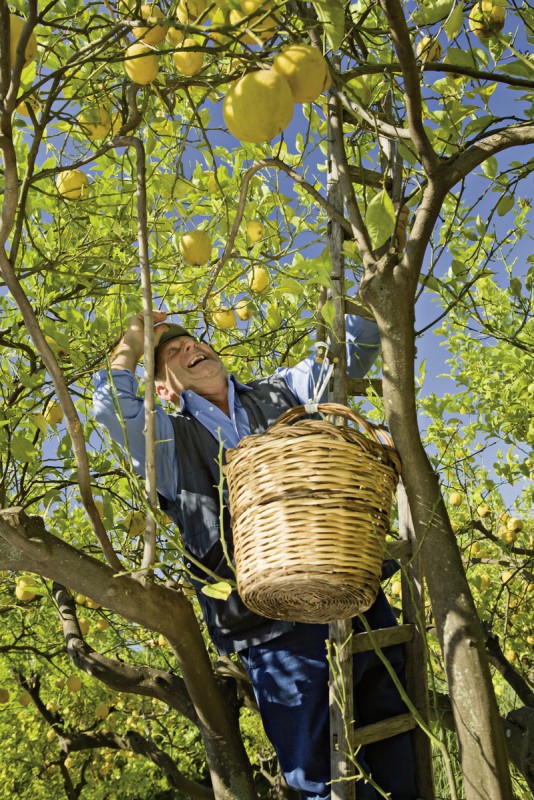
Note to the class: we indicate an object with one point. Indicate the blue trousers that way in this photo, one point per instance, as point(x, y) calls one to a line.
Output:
point(290, 679)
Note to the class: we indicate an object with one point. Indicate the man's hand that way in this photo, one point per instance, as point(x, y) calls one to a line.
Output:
point(131, 346)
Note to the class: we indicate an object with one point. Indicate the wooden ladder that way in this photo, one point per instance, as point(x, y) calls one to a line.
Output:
point(344, 739)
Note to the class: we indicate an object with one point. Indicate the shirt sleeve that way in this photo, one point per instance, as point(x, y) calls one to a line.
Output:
point(363, 344)
point(122, 393)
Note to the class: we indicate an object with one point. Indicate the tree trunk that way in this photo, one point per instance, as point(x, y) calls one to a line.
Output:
point(481, 741)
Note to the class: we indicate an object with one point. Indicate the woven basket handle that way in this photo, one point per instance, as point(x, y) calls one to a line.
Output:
point(375, 432)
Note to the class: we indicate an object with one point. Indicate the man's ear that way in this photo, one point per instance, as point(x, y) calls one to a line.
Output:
point(164, 393)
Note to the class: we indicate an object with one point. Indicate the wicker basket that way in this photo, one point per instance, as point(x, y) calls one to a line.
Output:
point(310, 505)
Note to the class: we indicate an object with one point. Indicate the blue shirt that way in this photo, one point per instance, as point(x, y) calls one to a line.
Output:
point(302, 379)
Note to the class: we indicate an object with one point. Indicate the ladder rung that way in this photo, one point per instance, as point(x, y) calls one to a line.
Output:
point(383, 729)
point(359, 386)
point(383, 637)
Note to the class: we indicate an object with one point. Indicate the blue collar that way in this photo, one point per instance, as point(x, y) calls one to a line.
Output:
point(188, 397)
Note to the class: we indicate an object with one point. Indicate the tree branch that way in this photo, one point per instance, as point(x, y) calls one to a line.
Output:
point(118, 675)
point(457, 167)
point(400, 36)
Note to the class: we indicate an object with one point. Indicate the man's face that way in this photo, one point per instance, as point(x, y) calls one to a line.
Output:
point(184, 363)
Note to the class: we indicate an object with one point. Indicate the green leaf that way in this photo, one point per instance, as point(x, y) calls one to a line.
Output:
point(453, 25)
point(22, 449)
point(332, 14)
point(220, 590)
point(432, 12)
point(328, 313)
point(505, 204)
point(490, 166)
point(380, 219)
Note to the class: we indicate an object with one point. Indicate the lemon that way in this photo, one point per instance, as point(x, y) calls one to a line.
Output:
point(74, 683)
point(487, 17)
point(456, 499)
point(141, 63)
point(188, 62)
point(258, 106)
point(264, 20)
point(258, 280)
point(154, 33)
point(174, 37)
point(195, 248)
point(16, 24)
point(305, 69)
point(102, 711)
point(243, 310)
point(429, 49)
point(190, 10)
point(73, 184)
point(23, 594)
point(255, 231)
point(95, 122)
point(224, 318)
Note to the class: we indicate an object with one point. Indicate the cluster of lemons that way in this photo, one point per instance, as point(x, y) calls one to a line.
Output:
point(195, 249)
point(486, 19)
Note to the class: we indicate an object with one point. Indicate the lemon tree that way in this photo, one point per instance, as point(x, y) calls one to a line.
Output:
point(120, 138)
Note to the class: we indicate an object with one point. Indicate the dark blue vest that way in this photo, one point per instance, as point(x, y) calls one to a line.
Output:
point(196, 511)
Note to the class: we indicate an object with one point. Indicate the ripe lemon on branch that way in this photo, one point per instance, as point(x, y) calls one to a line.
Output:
point(195, 248)
point(487, 17)
point(154, 33)
point(305, 69)
point(95, 122)
point(258, 106)
point(188, 62)
point(73, 184)
point(224, 318)
point(141, 63)
point(429, 49)
point(16, 24)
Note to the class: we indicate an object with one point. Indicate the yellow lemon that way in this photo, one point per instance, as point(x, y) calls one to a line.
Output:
point(264, 19)
point(258, 106)
point(255, 231)
point(487, 17)
point(102, 711)
point(174, 37)
point(188, 62)
point(141, 63)
point(305, 69)
point(23, 594)
point(25, 699)
point(456, 499)
point(190, 10)
point(95, 122)
point(74, 683)
point(258, 280)
point(224, 318)
point(195, 248)
point(16, 24)
point(429, 49)
point(73, 184)
point(153, 33)
point(243, 310)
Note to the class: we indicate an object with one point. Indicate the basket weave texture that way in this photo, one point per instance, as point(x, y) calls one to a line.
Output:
point(310, 505)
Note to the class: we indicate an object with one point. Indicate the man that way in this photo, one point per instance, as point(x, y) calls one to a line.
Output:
point(286, 661)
